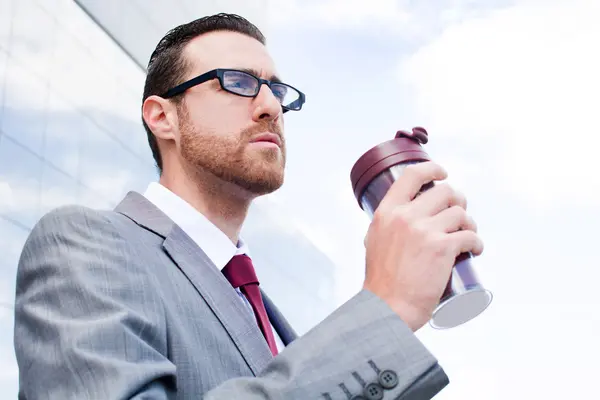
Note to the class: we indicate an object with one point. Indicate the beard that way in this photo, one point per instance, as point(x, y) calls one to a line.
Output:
point(228, 157)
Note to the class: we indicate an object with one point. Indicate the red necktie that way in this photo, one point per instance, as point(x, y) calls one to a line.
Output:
point(239, 271)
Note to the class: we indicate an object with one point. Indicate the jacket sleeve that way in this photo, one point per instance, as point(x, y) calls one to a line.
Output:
point(87, 327)
point(84, 326)
point(363, 348)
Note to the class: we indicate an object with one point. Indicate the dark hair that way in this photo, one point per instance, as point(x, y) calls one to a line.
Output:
point(167, 66)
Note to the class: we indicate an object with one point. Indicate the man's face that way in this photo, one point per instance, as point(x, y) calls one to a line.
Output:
point(218, 129)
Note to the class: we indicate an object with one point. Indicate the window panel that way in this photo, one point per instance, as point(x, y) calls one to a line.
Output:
point(113, 61)
point(72, 69)
point(125, 117)
point(295, 302)
point(52, 7)
point(63, 135)
point(32, 47)
point(57, 190)
point(25, 97)
point(6, 13)
point(130, 76)
point(3, 61)
point(9, 373)
point(143, 173)
point(13, 239)
point(105, 166)
point(101, 106)
point(76, 21)
point(20, 173)
point(92, 199)
point(142, 147)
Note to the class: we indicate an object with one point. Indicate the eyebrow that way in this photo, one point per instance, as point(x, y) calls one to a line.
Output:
point(252, 71)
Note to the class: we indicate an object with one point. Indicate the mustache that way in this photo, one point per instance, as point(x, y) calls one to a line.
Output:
point(263, 127)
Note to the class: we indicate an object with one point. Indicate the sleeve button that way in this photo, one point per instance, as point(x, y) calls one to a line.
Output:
point(373, 392)
point(388, 379)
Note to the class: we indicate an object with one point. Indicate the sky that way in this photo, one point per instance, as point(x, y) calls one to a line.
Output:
point(508, 92)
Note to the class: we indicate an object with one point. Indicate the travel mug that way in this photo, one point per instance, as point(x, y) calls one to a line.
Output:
point(372, 175)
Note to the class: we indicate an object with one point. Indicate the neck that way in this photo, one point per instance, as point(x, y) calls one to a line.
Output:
point(222, 203)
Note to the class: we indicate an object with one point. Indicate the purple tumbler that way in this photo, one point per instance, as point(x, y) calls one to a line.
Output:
point(372, 175)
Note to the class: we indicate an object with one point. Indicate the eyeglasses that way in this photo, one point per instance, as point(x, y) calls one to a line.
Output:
point(245, 84)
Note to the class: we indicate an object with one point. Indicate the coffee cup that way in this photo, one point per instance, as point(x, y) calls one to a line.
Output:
point(374, 172)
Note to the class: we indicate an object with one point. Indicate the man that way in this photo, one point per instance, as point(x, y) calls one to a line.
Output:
point(158, 299)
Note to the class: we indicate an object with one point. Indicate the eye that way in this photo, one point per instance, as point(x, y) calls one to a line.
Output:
point(279, 91)
point(239, 82)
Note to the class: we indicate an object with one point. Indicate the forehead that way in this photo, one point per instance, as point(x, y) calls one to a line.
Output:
point(224, 49)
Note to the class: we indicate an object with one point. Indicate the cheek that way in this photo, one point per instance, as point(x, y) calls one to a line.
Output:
point(221, 111)
point(219, 121)
point(203, 117)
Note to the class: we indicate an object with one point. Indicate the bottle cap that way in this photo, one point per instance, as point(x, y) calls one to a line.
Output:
point(406, 146)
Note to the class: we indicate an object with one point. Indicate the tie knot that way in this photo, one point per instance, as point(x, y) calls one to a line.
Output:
point(239, 271)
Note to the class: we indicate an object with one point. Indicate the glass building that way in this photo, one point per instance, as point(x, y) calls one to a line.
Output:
point(71, 81)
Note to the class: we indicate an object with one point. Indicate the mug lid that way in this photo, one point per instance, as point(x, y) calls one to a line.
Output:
point(406, 146)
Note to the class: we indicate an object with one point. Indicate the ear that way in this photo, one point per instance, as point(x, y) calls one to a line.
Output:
point(161, 117)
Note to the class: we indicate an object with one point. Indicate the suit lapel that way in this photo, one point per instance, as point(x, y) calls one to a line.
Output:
point(205, 277)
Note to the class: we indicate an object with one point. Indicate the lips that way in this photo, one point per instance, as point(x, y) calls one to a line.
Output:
point(268, 137)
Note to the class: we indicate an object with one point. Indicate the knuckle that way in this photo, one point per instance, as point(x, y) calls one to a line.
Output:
point(453, 196)
point(446, 191)
point(413, 171)
point(378, 216)
point(461, 199)
point(439, 245)
point(474, 237)
point(449, 191)
point(396, 216)
point(460, 214)
point(399, 217)
point(476, 242)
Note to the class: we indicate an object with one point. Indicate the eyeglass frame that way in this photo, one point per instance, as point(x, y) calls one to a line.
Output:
point(218, 74)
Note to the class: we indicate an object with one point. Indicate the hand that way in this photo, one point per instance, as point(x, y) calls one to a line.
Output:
point(412, 242)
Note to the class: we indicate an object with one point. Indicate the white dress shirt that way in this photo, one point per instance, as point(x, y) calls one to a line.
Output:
point(217, 246)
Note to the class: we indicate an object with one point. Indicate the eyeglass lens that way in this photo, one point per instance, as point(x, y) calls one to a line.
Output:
point(247, 85)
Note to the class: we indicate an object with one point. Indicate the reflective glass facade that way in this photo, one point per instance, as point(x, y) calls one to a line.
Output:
point(70, 132)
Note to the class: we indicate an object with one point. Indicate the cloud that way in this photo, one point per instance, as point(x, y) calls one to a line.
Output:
point(28, 198)
point(340, 14)
point(404, 20)
point(6, 196)
point(357, 13)
point(521, 82)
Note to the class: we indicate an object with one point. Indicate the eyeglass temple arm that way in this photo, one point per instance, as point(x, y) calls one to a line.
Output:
point(191, 83)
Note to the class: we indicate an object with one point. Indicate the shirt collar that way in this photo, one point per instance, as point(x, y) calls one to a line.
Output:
point(215, 244)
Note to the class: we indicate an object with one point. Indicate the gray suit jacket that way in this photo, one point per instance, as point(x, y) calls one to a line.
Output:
point(124, 305)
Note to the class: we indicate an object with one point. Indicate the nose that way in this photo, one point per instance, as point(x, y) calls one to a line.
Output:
point(266, 105)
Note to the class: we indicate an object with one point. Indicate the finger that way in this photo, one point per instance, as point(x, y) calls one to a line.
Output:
point(406, 187)
point(437, 199)
point(451, 220)
point(466, 241)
